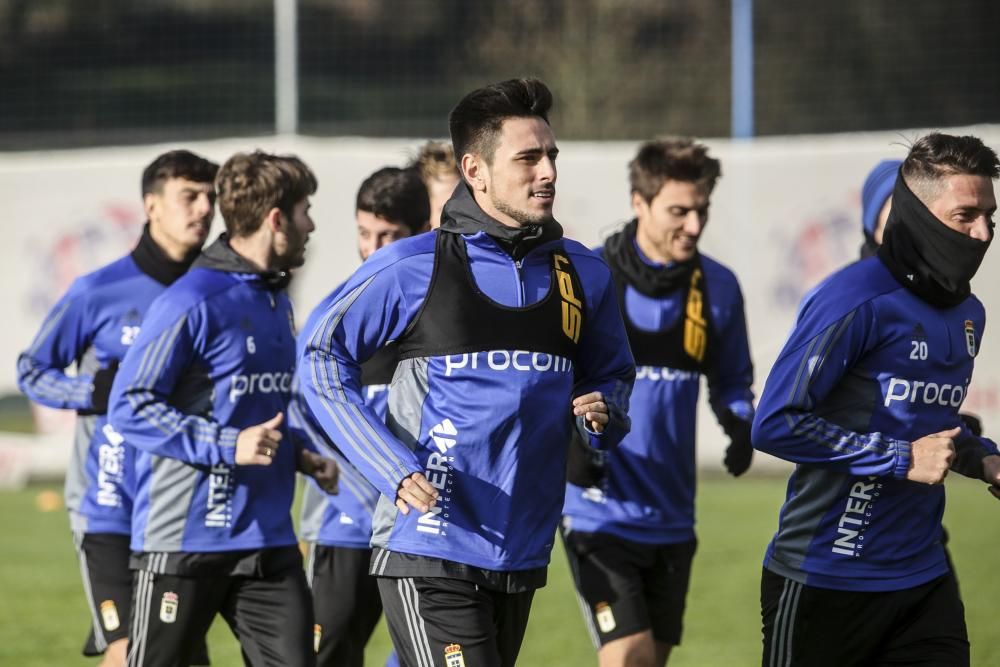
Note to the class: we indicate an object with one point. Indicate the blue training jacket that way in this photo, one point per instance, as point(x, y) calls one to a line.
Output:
point(91, 327)
point(344, 519)
point(489, 428)
point(216, 355)
point(868, 369)
point(647, 493)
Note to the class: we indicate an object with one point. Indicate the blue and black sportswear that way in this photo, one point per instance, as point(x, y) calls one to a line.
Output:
point(480, 405)
point(646, 490)
point(216, 355)
point(92, 327)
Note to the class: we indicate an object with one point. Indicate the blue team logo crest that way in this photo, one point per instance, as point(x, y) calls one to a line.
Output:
point(970, 338)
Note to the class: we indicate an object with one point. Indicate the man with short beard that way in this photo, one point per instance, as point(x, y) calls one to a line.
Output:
point(91, 327)
point(509, 337)
point(864, 399)
point(629, 519)
point(202, 396)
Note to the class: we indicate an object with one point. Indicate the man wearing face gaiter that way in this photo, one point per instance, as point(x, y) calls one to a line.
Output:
point(864, 399)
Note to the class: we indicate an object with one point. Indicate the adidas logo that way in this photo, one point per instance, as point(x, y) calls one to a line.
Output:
point(444, 435)
point(918, 332)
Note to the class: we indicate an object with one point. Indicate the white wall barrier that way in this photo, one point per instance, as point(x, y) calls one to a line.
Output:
point(784, 215)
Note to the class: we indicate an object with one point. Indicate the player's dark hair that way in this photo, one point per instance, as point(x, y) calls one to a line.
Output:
point(476, 121)
point(177, 164)
point(672, 159)
point(936, 155)
point(396, 195)
point(251, 184)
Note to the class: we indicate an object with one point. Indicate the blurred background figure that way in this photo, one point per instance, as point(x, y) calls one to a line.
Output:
point(437, 167)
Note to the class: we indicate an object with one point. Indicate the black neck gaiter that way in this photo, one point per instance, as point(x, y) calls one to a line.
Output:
point(926, 256)
point(623, 258)
point(152, 261)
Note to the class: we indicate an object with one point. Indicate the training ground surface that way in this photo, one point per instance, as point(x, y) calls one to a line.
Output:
point(43, 620)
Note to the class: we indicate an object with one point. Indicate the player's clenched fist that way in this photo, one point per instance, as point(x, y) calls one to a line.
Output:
point(991, 473)
point(931, 457)
point(325, 471)
point(593, 409)
point(257, 445)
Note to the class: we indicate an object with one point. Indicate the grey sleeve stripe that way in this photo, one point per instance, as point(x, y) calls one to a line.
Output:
point(814, 428)
point(143, 401)
point(819, 349)
point(371, 454)
point(44, 383)
point(329, 387)
point(829, 345)
point(168, 420)
point(331, 321)
point(161, 348)
point(51, 322)
point(839, 440)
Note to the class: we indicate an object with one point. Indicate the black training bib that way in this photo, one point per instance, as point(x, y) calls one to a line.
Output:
point(457, 318)
point(688, 344)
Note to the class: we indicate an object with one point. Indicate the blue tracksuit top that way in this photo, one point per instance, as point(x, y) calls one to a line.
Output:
point(216, 355)
point(647, 494)
point(489, 429)
point(344, 519)
point(91, 326)
point(868, 369)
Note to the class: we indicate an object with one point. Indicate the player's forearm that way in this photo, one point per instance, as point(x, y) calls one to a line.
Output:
point(149, 423)
point(804, 438)
point(359, 433)
point(51, 386)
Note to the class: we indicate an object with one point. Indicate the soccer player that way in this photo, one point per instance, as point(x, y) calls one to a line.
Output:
point(864, 399)
point(437, 167)
point(628, 520)
point(392, 204)
point(508, 336)
point(91, 327)
point(202, 396)
point(876, 200)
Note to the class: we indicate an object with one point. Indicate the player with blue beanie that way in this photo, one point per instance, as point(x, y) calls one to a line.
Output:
point(876, 195)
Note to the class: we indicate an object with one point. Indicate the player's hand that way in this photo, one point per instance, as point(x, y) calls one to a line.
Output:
point(325, 471)
point(416, 492)
point(991, 473)
point(593, 409)
point(739, 455)
point(972, 422)
point(257, 445)
point(931, 456)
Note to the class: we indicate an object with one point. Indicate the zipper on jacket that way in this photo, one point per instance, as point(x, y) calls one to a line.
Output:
point(520, 283)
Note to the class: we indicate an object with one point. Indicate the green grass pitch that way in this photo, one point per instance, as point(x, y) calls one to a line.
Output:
point(43, 620)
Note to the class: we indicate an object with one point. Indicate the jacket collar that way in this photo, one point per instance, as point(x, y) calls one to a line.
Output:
point(220, 256)
point(462, 215)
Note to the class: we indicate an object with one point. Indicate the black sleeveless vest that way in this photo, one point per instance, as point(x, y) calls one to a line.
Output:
point(688, 344)
point(457, 318)
point(380, 368)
